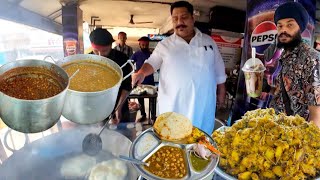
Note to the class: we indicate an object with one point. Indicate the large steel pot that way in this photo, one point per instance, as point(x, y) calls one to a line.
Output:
point(32, 116)
point(92, 107)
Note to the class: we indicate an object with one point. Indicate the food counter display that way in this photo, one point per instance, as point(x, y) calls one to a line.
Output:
point(60, 156)
point(262, 145)
point(174, 149)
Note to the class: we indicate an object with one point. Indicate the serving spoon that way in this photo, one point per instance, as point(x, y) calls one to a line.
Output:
point(92, 143)
point(75, 73)
point(132, 160)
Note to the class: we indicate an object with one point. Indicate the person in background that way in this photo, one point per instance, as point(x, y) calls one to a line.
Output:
point(192, 73)
point(139, 57)
point(298, 83)
point(101, 41)
point(122, 47)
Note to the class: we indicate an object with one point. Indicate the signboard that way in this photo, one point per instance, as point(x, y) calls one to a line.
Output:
point(229, 48)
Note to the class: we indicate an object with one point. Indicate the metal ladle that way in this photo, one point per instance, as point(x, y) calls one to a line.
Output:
point(92, 143)
point(72, 76)
point(132, 160)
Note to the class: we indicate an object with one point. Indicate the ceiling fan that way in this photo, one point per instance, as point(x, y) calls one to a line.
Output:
point(132, 22)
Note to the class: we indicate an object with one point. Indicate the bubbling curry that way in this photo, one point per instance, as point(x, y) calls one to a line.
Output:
point(30, 83)
point(168, 162)
point(92, 76)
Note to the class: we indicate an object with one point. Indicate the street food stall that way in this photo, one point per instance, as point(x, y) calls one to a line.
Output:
point(62, 155)
point(260, 145)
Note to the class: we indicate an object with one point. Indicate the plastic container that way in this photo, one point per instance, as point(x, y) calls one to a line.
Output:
point(253, 72)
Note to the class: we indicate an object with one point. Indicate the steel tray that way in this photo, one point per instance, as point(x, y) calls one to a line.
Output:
point(157, 144)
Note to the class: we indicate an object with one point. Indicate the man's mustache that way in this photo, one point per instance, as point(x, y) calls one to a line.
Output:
point(181, 26)
point(285, 34)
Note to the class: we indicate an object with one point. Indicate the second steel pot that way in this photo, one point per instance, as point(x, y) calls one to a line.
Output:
point(92, 107)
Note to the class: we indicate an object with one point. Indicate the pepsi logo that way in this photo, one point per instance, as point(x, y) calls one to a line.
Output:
point(151, 36)
point(263, 35)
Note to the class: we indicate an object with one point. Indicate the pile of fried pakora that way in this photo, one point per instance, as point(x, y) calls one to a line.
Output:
point(264, 145)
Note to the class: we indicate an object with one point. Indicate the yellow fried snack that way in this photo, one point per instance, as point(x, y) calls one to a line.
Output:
point(266, 145)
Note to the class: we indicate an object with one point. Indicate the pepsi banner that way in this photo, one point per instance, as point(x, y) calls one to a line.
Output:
point(260, 33)
point(262, 36)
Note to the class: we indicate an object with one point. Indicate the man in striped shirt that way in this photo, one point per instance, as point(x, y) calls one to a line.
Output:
point(122, 47)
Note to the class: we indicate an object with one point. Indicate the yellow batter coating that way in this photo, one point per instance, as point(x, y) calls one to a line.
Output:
point(266, 145)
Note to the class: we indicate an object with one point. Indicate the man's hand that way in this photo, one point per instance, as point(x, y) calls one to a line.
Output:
point(317, 123)
point(221, 94)
point(117, 118)
point(118, 114)
point(137, 78)
point(314, 115)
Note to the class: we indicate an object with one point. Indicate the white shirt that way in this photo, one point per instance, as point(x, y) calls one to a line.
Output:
point(189, 74)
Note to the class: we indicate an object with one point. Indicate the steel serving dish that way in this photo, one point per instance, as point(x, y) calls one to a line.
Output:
point(224, 174)
point(191, 174)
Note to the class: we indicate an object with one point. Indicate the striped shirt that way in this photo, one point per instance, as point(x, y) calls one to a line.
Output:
point(125, 49)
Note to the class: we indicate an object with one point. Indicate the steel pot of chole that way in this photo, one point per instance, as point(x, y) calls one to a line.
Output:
point(92, 93)
point(32, 94)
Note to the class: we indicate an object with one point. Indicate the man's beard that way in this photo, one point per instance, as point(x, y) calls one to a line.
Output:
point(296, 40)
point(145, 49)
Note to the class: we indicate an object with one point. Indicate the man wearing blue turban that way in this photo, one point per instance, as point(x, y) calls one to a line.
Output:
point(298, 83)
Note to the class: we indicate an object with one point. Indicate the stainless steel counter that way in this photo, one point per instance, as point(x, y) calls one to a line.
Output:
point(43, 158)
point(62, 143)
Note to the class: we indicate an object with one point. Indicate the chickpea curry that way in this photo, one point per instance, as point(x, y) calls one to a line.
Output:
point(30, 83)
point(168, 162)
point(92, 76)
